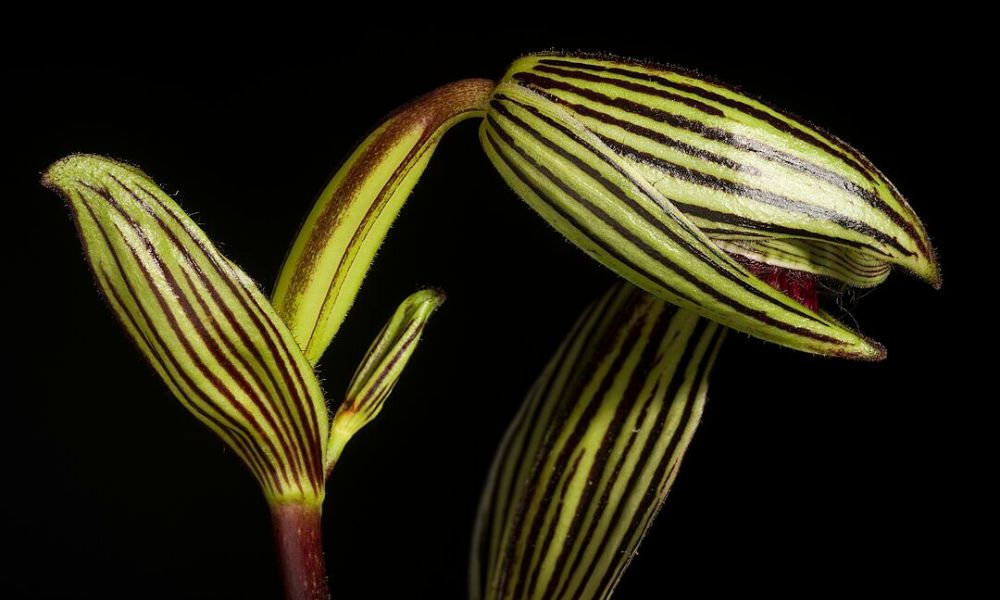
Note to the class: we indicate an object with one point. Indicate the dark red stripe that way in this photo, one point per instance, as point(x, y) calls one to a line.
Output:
point(411, 337)
point(708, 109)
point(231, 425)
point(640, 517)
point(555, 474)
point(756, 194)
point(283, 360)
point(759, 226)
point(637, 380)
point(280, 424)
point(178, 331)
point(592, 336)
point(255, 466)
point(286, 432)
point(532, 413)
point(844, 152)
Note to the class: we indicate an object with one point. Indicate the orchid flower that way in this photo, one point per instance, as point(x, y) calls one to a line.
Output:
point(699, 195)
point(692, 191)
point(705, 198)
point(720, 211)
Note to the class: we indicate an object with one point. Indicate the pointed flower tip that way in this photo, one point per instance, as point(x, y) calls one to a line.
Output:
point(924, 265)
point(933, 276)
point(870, 351)
point(851, 345)
point(938, 279)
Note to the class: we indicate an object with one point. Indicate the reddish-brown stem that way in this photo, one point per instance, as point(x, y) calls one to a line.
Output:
point(298, 538)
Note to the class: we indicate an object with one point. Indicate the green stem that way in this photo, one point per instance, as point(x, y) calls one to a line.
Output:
point(298, 539)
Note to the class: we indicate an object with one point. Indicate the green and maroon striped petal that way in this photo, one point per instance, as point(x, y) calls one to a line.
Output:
point(737, 167)
point(380, 370)
point(338, 241)
point(604, 205)
point(592, 453)
point(202, 324)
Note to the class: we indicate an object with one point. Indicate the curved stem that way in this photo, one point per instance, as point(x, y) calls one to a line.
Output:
point(338, 241)
point(298, 539)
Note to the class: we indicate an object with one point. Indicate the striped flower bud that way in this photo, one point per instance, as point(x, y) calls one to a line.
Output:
point(201, 323)
point(701, 195)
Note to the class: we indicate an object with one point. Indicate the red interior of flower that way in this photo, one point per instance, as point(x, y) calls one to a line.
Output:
point(797, 285)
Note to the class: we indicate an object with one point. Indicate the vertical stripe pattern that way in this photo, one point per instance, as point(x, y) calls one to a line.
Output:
point(591, 454)
point(202, 324)
point(733, 163)
point(604, 205)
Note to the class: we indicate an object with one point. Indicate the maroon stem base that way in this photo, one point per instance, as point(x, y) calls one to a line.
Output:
point(297, 535)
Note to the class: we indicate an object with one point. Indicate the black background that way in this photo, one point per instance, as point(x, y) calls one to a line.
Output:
point(806, 475)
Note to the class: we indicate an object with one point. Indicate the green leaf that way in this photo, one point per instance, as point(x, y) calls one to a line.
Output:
point(338, 241)
point(380, 370)
point(592, 452)
point(202, 324)
point(603, 204)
